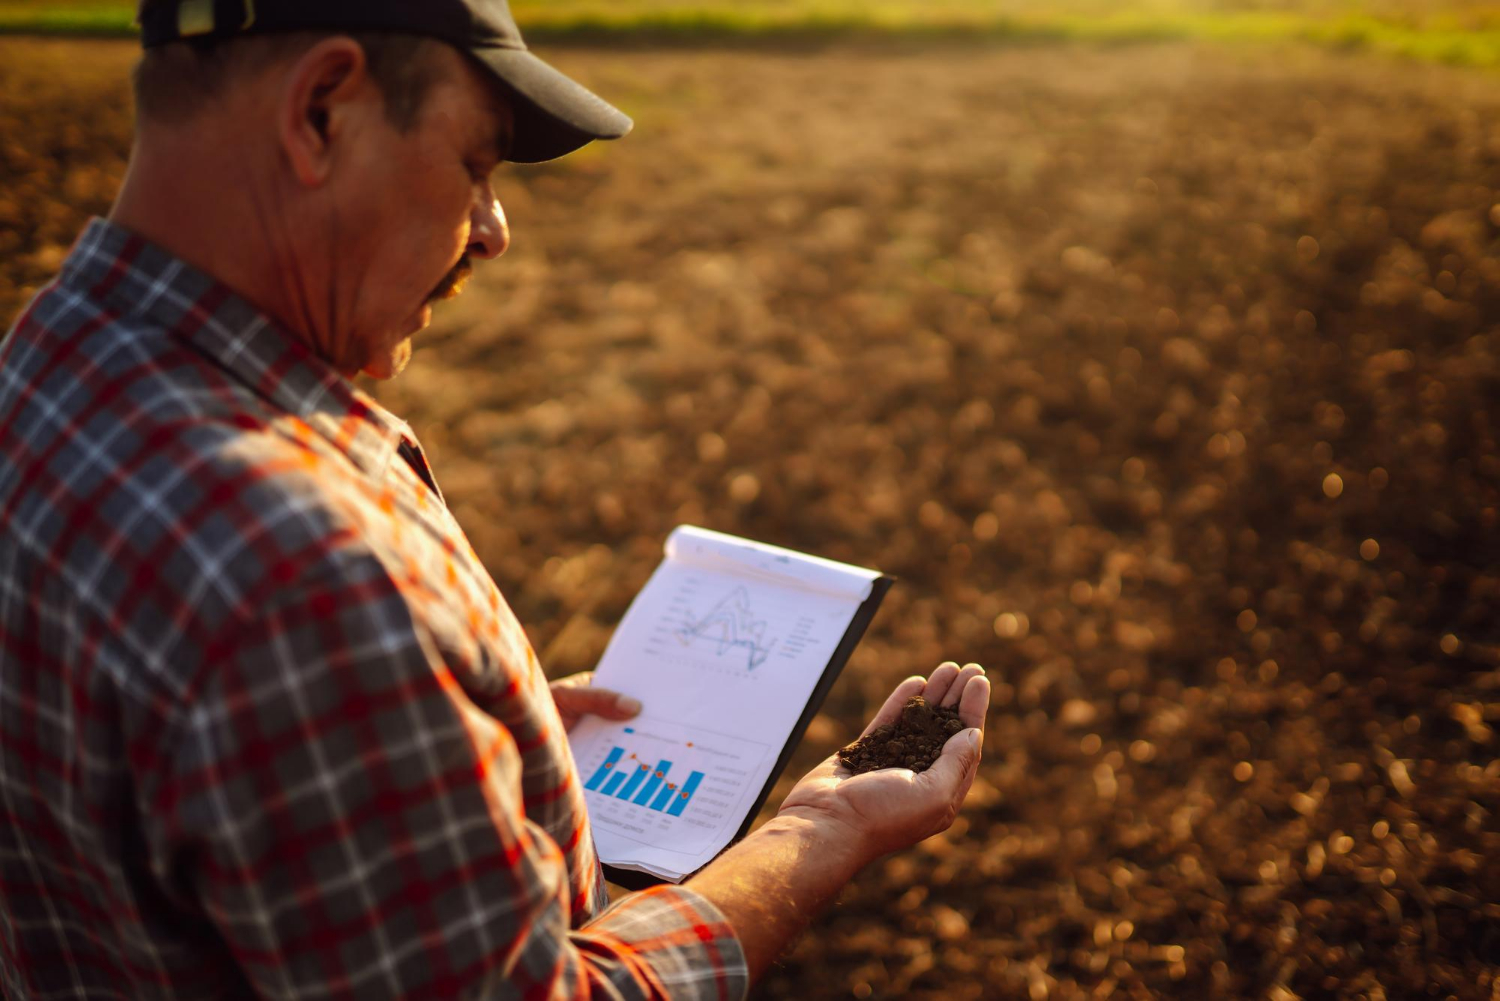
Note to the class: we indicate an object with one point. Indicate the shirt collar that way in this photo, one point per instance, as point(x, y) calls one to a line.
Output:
point(141, 279)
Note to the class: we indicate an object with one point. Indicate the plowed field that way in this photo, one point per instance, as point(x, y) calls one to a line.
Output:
point(1166, 379)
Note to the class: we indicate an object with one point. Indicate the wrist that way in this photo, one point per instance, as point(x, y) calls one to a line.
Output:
point(816, 835)
point(771, 884)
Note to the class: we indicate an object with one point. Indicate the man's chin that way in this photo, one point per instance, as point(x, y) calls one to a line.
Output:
point(390, 362)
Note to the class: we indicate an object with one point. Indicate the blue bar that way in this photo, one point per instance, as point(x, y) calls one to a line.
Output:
point(681, 802)
point(613, 783)
point(662, 797)
point(603, 770)
point(641, 771)
point(657, 774)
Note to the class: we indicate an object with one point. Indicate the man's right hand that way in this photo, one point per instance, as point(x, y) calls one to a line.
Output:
point(833, 824)
point(887, 810)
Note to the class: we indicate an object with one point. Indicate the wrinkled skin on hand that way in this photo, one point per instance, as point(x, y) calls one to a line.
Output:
point(884, 811)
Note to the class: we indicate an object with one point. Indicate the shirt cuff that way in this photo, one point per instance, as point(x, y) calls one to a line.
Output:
point(687, 947)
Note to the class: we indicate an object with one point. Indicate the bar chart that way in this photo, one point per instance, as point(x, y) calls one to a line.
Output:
point(629, 778)
point(652, 778)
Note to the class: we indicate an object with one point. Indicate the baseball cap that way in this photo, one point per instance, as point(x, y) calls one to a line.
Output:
point(555, 115)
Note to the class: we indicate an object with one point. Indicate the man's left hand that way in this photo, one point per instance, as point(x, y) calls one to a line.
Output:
point(576, 696)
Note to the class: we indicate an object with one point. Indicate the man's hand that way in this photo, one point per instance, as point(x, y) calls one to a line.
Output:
point(833, 824)
point(576, 696)
point(890, 809)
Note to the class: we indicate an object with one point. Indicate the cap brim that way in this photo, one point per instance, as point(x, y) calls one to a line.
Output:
point(553, 114)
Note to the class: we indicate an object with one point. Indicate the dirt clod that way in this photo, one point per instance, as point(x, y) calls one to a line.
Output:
point(914, 741)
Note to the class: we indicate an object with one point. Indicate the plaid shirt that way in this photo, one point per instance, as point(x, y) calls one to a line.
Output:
point(266, 725)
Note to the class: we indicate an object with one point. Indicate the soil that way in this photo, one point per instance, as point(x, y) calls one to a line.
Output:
point(1167, 381)
point(914, 741)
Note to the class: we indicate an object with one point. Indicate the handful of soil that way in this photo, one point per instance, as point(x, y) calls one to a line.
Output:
point(914, 741)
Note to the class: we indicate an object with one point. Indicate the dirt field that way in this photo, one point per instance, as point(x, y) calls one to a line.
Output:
point(1166, 379)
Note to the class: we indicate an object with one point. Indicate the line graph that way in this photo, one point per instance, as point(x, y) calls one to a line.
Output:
point(731, 624)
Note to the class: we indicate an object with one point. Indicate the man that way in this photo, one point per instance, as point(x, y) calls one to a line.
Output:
point(266, 726)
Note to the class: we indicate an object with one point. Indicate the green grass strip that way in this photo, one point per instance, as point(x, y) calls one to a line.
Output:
point(1472, 40)
point(100, 19)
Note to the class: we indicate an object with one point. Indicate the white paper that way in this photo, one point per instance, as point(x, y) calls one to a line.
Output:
point(723, 647)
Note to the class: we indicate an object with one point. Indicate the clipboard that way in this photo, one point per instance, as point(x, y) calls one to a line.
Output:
point(634, 879)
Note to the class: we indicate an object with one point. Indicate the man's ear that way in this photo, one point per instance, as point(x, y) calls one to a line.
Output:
point(313, 110)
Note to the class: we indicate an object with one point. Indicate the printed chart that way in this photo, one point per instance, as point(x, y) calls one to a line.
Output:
point(731, 624)
point(729, 630)
point(623, 779)
point(727, 641)
point(654, 777)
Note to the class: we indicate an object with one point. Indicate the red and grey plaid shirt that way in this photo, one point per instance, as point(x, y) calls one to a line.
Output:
point(266, 725)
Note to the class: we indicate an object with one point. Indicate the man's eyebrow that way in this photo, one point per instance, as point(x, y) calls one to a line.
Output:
point(505, 138)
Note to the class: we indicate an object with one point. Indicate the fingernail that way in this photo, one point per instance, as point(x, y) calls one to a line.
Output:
point(975, 738)
point(627, 705)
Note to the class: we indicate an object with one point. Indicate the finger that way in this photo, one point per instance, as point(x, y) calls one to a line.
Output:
point(891, 710)
point(583, 679)
point(599, 701)
point(956, 766)
point(956, 690)
point(939, 682)
point(975, 703)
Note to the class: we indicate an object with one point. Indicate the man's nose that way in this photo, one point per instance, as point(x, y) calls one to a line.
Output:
point(489, 235)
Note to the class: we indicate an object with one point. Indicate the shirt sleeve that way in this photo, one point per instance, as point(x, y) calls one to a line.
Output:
point(352, 824)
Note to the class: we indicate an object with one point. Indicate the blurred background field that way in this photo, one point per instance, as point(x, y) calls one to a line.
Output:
point(1165, 376)
point(1464, 32)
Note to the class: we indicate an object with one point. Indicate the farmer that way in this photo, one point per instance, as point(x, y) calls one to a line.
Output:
point(266, 725)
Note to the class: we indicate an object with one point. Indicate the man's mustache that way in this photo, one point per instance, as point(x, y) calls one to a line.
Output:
point(453, 281)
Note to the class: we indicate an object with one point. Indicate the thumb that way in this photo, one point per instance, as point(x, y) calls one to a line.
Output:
point(599, 701)
point(956, 766)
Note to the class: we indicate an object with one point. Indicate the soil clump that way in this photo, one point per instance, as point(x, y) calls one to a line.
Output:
point(914, 741)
